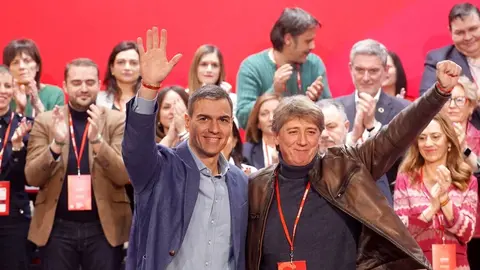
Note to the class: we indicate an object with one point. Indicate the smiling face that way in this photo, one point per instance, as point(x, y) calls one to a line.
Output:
point(433, 143)
point(6, 90)
point(210, 126)
point(298, 141)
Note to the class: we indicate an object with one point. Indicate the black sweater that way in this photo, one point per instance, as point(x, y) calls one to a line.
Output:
point(326, 238)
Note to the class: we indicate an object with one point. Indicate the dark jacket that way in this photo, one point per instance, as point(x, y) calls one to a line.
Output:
point(345, 177)
point(429, 72)
point(166, 183)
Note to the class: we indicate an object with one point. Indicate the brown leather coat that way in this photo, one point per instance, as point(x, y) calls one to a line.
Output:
point(345, 177)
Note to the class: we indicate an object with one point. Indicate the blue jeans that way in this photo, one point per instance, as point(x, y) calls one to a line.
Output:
point(73, 244)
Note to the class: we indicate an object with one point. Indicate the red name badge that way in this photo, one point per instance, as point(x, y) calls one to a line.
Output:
point(295, 265)
point(79, 193)
point(444, 257)
point(4, 198)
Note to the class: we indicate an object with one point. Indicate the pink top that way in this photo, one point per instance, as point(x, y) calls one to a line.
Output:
point(473, 142)
point(411, 199)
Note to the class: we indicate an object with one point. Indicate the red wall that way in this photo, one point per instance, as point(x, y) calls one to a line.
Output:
point(90, 28)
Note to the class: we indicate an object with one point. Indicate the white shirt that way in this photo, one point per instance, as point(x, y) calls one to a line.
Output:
point(268, 154)
point(475, 69)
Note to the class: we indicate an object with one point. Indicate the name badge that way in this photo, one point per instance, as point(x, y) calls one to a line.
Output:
point(444, 257)
point(79, 193)
point(4, 198)
point(295, 265)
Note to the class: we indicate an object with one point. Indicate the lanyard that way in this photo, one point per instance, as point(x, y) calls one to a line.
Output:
point(74, 144)
point(282, 218)
point(5, 139)
point(299, 80)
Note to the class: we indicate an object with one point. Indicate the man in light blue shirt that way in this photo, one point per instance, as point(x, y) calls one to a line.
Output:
point(191, 206)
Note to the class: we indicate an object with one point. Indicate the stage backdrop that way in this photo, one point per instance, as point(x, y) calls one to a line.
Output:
point(90, 28)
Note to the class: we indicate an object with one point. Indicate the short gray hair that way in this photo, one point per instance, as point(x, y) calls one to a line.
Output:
point(370, 47)
point(332, 103)
point(298, 106)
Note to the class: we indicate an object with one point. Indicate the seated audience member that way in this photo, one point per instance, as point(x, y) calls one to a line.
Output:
point(31, 96)
point(260, 150)
point(459, 110)
point(464, 25)
point(82, 213)
point(233, 151)
point(336, 131)
point(436, 193)
point(368, 69)
point(288, 68)
point(345, 223)
point(208, 67)
point(172, 106)
point(15, 213)
point(122, 78)
point(395, 83)
point(191, 205)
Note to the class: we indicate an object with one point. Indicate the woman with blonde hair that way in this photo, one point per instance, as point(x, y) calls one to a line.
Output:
point(435, 192)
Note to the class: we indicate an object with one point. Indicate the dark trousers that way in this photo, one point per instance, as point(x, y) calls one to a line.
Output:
point(473, 253)
point(14, 244)
point(73, 244)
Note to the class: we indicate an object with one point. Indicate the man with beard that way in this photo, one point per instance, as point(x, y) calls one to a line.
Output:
point(336, 133)
point(288, 68)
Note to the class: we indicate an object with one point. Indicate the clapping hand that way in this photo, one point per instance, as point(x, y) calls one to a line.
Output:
point(367, 104)
point(154, 65)
point(97, 121)
point(23, 128)
point(59, 127)
point(315, 90)
point(281, 77)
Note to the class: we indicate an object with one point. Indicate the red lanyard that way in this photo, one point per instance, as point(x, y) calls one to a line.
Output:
point(299, 80)
point(282, 218)
point(74, 144)
point(5, 139)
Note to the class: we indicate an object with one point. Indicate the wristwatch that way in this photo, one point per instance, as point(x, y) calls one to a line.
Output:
point(467, 152)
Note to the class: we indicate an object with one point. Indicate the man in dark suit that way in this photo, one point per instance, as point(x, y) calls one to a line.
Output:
point(190, 205)
point(464, 25)
point(368, 68)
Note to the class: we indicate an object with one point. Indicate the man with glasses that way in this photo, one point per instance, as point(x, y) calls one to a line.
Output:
point(372, 107)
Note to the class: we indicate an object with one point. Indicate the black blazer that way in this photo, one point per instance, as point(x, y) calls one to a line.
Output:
point(253, 155)
point(429, 76)
point(13, 166)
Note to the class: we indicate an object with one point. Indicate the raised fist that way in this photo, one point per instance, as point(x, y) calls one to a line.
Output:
point(448, 74)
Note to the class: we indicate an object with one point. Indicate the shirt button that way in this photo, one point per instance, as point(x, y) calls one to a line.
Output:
point(206, 264)
point(212, 221)
point(209, 242)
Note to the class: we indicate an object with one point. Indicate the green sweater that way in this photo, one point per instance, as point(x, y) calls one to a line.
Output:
point(255, 77)
point(50, 96)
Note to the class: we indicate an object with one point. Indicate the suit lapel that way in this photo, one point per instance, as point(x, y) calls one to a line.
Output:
point(66, 147)
point(192, 183)
point(461, 60)
point(383, 108)
point(235, 199)
point(257, 156)
point(350, 109)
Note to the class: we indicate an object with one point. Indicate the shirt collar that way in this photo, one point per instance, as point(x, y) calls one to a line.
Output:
point(376, 97)
point(223, 164)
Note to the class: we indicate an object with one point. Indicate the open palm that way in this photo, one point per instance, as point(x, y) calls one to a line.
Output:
point(154, 65)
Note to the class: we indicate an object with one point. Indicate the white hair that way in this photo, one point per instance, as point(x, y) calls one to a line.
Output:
point(370, 47)
point(331, 103)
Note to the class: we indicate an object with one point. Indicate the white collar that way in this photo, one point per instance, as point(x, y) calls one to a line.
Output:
point(376, 97)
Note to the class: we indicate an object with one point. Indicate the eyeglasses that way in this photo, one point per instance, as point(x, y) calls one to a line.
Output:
point(458, 101)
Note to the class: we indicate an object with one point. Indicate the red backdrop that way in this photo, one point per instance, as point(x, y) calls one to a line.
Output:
point(90, 28)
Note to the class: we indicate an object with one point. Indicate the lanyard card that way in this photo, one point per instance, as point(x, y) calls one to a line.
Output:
point(79, 193)
point(4, 198)
point(444, 257)
point(295, 265)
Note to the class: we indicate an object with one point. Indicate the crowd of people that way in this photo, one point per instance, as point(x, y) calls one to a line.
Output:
point(127, 173)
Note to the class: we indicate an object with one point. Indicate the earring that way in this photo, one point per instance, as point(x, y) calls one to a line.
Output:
point(449, 148)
